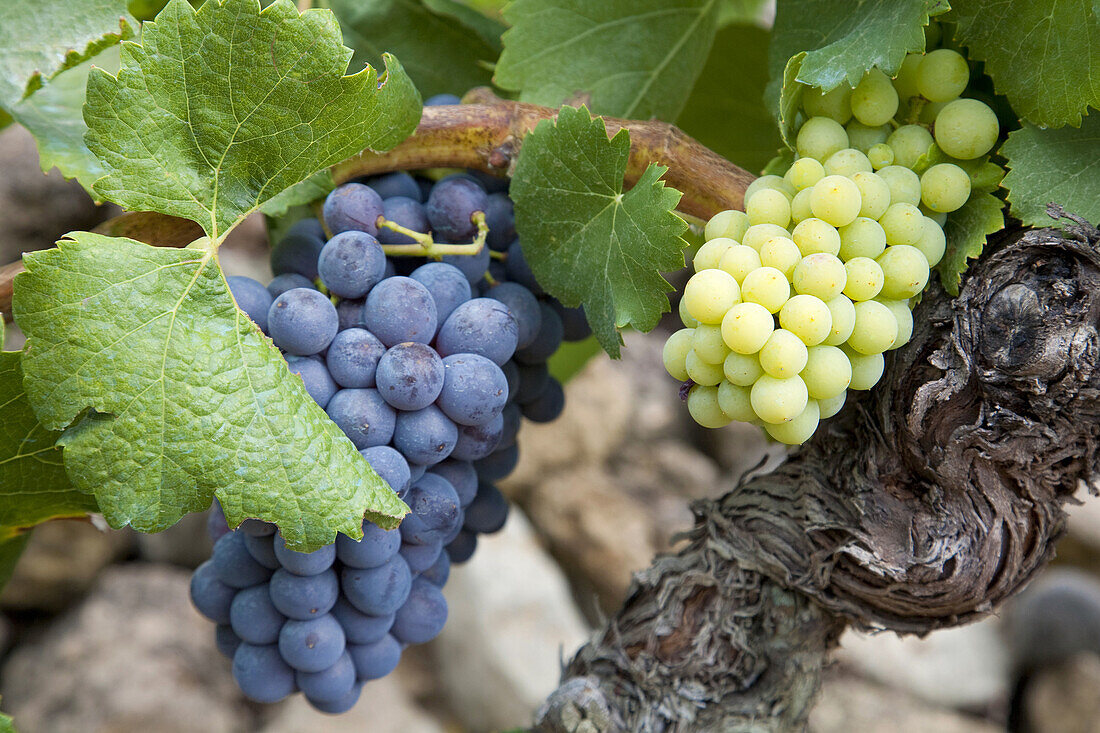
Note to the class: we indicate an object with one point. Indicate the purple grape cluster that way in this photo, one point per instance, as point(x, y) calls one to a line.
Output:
point(429, 367)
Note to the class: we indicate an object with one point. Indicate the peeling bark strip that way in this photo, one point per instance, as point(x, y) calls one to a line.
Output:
point(923, 505)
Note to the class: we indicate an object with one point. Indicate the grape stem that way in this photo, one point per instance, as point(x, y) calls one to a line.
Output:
point(426, 247)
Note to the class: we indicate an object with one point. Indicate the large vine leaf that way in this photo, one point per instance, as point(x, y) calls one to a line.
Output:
point(442, 53)
point(1061, 165)
point(170, 396)
point(1044, 55)
point(6, 723)
point(966, 231)
point(587, 241)
point(220, 109)
point(634, 58)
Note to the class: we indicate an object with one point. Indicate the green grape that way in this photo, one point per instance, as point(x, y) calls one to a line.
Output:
point(832, 405)
point(770, 181)
point(874, 194)
point(836, 200)
point(814, 235)
point(937, 216)
point(766, 286)
point(709, 294)
point(904, 270)
point(708, 345)
point(827, 372)
point(736, 402)
point(704, 407)
point(909, 142)
point(966, 129)
point(836, 104)
point(942, 75)
point(944, 187)
point(742, 369)
point(746, 327)
point(932, 243)
point(702, 372)
point(769, 206)
point(903, 183)
point(904, 317)
point(847, 162)
point(685, 317)
point(880, 155)
point(739, 260)
point(675, 353)
point(930, 111)
point(804, 173)
point(778, 400)
point(798, 430)
point(760, 233)
point(874, 101)
point(876, 329)
point(820, 137)
point(800, 204)
point(730, 224)
point(864, 278)
point(862, 137)
point(821, 275)
point(780, 253)
point(807, 317)
point(903, 224)
point(906, 81)
point(864, 237)
point(710, 254)
point(843, 313)
point(866, 368)
point(784, 354)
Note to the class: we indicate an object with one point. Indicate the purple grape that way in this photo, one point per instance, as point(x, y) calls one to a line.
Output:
point(446, 283)
point(363, 416)
point(533, 379)
point(342, 705)
point(407, 212)
point(511, 373)
point(351, 264)
point(462, 547)
point(262, 550)
point(313, 645)
point(304, 563)
point(359, 628)
point(488, 512)
point(252, 298)
point(377, 591)
point(519, 271)
point(254, 617)
point(350, 310)
point(377, 547)
point(474, 389)
point(318, 381)
point(390, 466)
point(434, 511)
point(261, 673)
point(451, 205)
point(374, 661)
point(574, 322)
point(480, 326)
point(548, 406)
point(438, 573)
point(442, 99)
point(211, 597)
point(501, 221)
point(512, 418)
point(304, 596)
point(298, 250)
point(421, 557)
point(288, 281)
point(472, 266)
point(422, 617)
point(233, 565)
point(410, 376)
point(498, 464)
point(547, 341)
point(329, 685)
point(477, 441)
point(398, 183)
point(226, 641)
point(353, 206)
point(302, 321)
point(400, 309)
point(425, 436)
point(353, 356)
point(461, 476)
point(524, 307)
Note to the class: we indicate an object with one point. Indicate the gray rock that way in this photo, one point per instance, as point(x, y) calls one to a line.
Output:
point(1064, 699)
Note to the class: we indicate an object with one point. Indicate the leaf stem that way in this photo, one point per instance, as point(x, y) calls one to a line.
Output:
point(422, 240)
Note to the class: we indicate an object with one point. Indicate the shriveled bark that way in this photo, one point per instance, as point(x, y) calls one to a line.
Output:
point(925, 504)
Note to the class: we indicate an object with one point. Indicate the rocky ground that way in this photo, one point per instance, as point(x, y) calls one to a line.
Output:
point(97, 634)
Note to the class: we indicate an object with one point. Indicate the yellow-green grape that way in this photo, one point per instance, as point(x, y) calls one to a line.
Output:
point(944, 187)
point(710, 254)
point(820, 137)
point(804, 173)
point(767, 287)
point(770, 181)
point(702, 372)
point(862, 137)
point(746, 327)
point(730, 224)
point(709, 294)
point(836, 199)
point(864, 278)
point(880, 155)
point(932, 243)
point(736, 402)
point(798, 430)
point(739, 260)
point(832, 405)
point(800, 204)
point(864, 237)
point(827, 372)
point(742, 369)
point(769, 206)
point(874, 100)
point(937, 216)
point(847, 162)
point(966, 129)
point(866, 368)
point(821, 275)
point(905, 83)
point(903, 224)
point(904, 316)
point(708, 345)
point(903, 183)
point(843, 313)
point(675, 353)
point(686, 318)
point(757, 234)
point(876, 329)
point(780, 253)
point(814, 235)
point(777, 400)
point(807, 317)
point(784, 354)
point(835, 104)
point(909, 142)
point(930, 111)
point(904, 270)
point(942, 75)
point(704, 407)
point(874, 194)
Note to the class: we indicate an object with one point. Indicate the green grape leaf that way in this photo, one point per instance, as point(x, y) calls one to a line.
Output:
point(1044, 55)
point(966, 230)
point(7, 725)
point(170, 396)
point(726, 109)
point(489, 29)
point(220, 109)
point(634, 58)
point(844, 39)
point(443, 53)
point(779, 164)
point(571, 357)
point(33, 484)
point(587, 241)
point(317, 186)
point(1060, 165)
point(790, 100)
